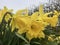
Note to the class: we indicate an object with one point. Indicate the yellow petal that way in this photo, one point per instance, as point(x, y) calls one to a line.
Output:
point(41, 12)
point(23, 12)
point(34, 16)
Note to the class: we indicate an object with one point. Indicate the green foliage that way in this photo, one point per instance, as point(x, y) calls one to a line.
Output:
point(12, 38)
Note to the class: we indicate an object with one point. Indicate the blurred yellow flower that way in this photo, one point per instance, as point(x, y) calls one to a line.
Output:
point(2, 12)
point(35, 30)
point(19, 22)
point(49, 20)
point(50, 38)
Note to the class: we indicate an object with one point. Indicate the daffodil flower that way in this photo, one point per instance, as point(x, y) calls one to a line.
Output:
point(2, 12)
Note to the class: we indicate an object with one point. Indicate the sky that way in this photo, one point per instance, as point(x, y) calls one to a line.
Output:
point(20, 4)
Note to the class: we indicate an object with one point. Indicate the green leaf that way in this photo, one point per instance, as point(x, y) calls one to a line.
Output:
point(52, 43)
point(20, 36)
point(36, 43)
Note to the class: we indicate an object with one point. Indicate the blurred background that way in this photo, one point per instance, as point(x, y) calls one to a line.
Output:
point(31, 5)
point(21, 4)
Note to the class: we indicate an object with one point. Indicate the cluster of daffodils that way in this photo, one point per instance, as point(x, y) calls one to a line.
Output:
point(32, 25)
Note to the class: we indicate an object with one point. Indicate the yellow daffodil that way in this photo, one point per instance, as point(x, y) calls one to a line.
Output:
point(35, 30)
point(50, 20)
point(19, 22)
point(2, 12)
point(44, 16)
point(27, 21)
